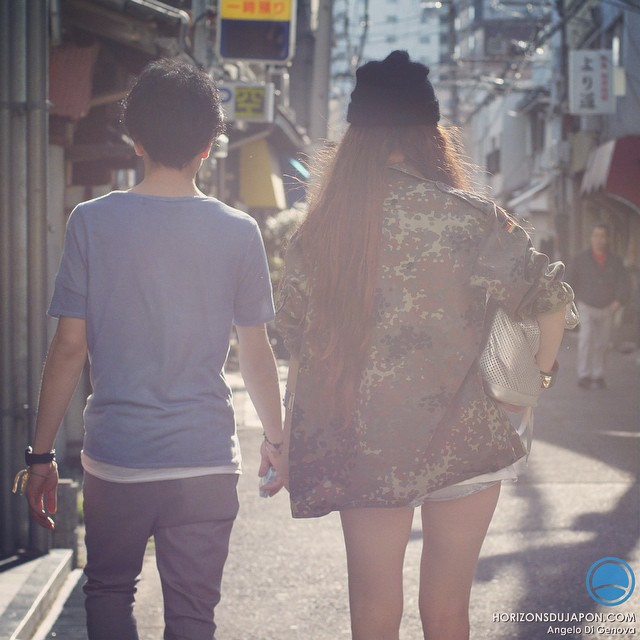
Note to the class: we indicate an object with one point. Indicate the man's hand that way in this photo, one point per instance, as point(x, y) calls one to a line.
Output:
point(260, 373)
point(41, 492)
point(280, 462)
point(62, 370)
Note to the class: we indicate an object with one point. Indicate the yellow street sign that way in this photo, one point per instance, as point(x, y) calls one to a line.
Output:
point(270, 10)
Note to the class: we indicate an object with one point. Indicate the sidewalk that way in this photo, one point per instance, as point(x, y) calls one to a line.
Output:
point(579, 502)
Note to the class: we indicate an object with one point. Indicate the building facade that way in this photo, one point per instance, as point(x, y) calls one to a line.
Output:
point(65, 65)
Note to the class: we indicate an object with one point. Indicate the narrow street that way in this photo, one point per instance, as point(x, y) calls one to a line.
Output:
point(578, 503)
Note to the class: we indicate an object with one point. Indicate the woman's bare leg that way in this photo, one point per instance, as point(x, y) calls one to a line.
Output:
point(376, 540)
point(453, 533)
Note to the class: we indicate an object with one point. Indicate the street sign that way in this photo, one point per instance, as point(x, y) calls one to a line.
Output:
point(247, 102)
point(256, 30)
point(591, 90)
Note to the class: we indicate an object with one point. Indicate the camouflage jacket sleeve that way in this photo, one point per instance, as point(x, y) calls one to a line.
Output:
point(516, 275)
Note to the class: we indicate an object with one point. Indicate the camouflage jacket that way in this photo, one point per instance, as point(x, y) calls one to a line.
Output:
point(423, 420)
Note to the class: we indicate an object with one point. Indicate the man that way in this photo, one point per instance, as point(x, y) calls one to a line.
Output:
point(599, 281)
point(150, 283)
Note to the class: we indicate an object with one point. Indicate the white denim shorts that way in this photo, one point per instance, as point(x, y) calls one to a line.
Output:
point(470, 486)
point(456, 491)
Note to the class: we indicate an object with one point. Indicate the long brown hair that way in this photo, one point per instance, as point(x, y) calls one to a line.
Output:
point(340, 240)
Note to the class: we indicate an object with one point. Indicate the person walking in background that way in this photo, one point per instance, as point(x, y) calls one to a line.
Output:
point(150, 283)
point(382, 307)
point(600, 282)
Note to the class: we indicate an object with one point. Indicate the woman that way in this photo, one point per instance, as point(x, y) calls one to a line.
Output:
point(382, 306)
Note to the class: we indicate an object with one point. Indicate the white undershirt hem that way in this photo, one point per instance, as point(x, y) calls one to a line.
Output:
point(114, 473)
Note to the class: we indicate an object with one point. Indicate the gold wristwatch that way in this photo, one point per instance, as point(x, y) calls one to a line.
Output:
point(547, 379)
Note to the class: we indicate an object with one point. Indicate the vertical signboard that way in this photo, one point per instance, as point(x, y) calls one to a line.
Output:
point(256, 30)
point(591, 82)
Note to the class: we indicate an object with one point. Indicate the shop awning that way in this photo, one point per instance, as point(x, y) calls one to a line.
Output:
point(70, 78)
point(528, 195)
point(533, 98)
point(260, 178)
point(271, 175)
point(614, 169)
point(151, 26)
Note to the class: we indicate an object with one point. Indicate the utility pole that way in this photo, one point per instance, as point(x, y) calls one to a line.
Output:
point(17, 301)
point(23, 250)
point(562, 204)
point(37, 143)
point(7, 515)
point(319, 112)
point(201, 32)
point(453, 68)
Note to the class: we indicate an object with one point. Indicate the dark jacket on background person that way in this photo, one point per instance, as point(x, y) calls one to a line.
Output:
point(598, 286)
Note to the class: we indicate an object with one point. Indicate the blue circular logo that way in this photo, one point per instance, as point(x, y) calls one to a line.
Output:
point(610, 581)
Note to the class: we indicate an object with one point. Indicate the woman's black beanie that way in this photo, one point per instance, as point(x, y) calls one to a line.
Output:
point(395, 91)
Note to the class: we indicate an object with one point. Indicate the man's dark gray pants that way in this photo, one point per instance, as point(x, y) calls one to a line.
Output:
point(190, 520)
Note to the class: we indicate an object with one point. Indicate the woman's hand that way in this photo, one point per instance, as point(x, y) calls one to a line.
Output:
point(278, 460)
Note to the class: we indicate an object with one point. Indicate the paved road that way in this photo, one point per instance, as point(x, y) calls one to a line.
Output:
point(579, 502)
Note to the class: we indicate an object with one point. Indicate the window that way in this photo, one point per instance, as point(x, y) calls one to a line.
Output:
point(537, 126)
point(493, 161)
point(614, 41)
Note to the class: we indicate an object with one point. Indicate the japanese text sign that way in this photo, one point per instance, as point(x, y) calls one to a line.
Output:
point(591, 82)
point(256, 30)
point(278, 10)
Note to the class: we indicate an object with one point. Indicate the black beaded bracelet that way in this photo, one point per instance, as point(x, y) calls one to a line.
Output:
point(38, 458)
point(276, 445)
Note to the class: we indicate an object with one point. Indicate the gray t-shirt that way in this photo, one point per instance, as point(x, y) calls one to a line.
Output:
point(160, 281)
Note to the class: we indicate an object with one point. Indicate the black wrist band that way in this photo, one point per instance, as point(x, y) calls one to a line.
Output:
point(38, 458)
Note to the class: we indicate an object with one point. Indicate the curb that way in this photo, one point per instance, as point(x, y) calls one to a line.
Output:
point(32, 602)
